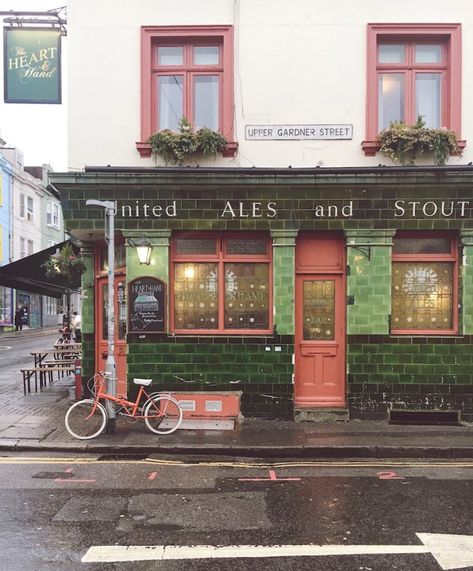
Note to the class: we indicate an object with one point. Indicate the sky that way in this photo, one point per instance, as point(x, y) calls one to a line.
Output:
point(38, 130)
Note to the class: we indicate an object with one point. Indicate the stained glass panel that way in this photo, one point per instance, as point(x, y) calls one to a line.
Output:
point(246, 296)
point(437, 245)
point(319, 310)
point(237, 246)
point(196, 246)
point(195, 296)
point(422, 295)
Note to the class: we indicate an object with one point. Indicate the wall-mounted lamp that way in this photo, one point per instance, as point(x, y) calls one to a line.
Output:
point(143, 249)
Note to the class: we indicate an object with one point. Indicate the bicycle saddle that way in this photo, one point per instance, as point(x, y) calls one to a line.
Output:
point(144, 382)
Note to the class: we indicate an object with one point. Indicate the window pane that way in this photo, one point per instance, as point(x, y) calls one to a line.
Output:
point(195, 296)
point(390, 98)
point(391, 53)
point(119, 258)
point(196, 246)
point(206, 55)
point(171, 56)
point(422, 246)
point(170, 101)
point(428, 98)
point(428, 53)
point(422, 295)
point(319, 309)
point(237, 246)
point(246, 296)
point(206, 101)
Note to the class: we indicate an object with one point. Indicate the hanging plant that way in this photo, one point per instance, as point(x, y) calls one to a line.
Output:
point(178, 146)
point(65, 263)
point(404, 143)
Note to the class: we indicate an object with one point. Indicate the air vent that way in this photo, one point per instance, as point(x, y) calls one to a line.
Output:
point(428, 417)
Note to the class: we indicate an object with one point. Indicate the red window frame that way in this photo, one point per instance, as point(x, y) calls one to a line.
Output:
point(451, 257)
point(188, 70)
point(187, 36)
point(221, 257)
point(449, 35)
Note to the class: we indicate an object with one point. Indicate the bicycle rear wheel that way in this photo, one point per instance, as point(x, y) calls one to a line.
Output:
point(163, 414)
point(83, 422)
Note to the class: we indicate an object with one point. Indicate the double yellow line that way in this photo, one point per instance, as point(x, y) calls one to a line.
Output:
point(26, 460)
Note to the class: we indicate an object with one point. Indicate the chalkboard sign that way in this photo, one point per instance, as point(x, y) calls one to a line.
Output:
point(146, 306)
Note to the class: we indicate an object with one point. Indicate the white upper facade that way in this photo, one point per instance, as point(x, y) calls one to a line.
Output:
point(295, 64)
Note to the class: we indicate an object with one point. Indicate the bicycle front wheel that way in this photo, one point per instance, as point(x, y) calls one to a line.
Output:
point(83, 422)
point(163, 414)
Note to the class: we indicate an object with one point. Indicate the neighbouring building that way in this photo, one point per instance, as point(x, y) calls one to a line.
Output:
point(35, 223)
point(6, 294)
point(300, 267)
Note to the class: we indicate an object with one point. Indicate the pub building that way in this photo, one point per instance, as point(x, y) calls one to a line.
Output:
point(304, 292)
point(298, 273)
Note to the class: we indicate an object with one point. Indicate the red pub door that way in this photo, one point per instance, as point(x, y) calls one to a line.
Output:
point(120, 329)
point(320, 321)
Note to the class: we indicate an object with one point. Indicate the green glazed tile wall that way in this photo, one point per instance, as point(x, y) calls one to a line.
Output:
point(467, 289)
point(211, 362)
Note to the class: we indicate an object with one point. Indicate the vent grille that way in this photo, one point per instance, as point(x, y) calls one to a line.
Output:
point(428, 417)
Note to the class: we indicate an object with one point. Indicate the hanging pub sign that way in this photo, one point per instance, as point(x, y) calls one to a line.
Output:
point(32, 65)
point(146, 305)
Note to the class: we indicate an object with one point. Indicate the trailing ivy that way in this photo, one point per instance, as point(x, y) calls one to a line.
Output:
point(178, 146)
point(404, 143)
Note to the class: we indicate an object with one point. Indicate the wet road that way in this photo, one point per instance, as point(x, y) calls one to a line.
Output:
point(15, 354)
point(56, 510)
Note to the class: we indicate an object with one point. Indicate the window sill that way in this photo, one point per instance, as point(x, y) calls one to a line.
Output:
point(145, 149)
point(370, 148)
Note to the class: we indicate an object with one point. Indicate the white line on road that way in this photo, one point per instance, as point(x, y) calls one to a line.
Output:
point(116, 553)
point(450, 551)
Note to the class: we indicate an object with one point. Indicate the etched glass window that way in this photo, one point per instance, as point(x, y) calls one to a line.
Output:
point(195, 296)
point(434, 245)
point(319, 310)
point(236, 246)
point(246, 296)
point(230, 293)
point(422, 295)
point(204, 246)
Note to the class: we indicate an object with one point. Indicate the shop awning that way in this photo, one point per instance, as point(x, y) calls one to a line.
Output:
point(28, 274)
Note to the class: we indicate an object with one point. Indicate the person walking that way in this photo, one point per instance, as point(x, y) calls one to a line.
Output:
point(76, 327)
point(19, 318)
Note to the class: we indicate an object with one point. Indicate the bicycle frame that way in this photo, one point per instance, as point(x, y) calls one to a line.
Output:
point(131, 407)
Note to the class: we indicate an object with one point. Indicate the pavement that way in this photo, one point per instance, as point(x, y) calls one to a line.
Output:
point(35, 422)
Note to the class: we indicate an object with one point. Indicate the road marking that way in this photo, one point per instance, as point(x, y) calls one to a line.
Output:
point(5, 347)
point(450, 551)
point(272, 478)
point(389, 476)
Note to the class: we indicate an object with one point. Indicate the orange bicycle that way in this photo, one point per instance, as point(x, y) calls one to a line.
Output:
point(87, 418)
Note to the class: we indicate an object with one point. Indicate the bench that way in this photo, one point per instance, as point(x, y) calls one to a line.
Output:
point(42, 373)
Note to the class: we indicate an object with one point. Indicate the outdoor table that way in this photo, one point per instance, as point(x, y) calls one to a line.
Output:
point(39, 356)
point(68, 345)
